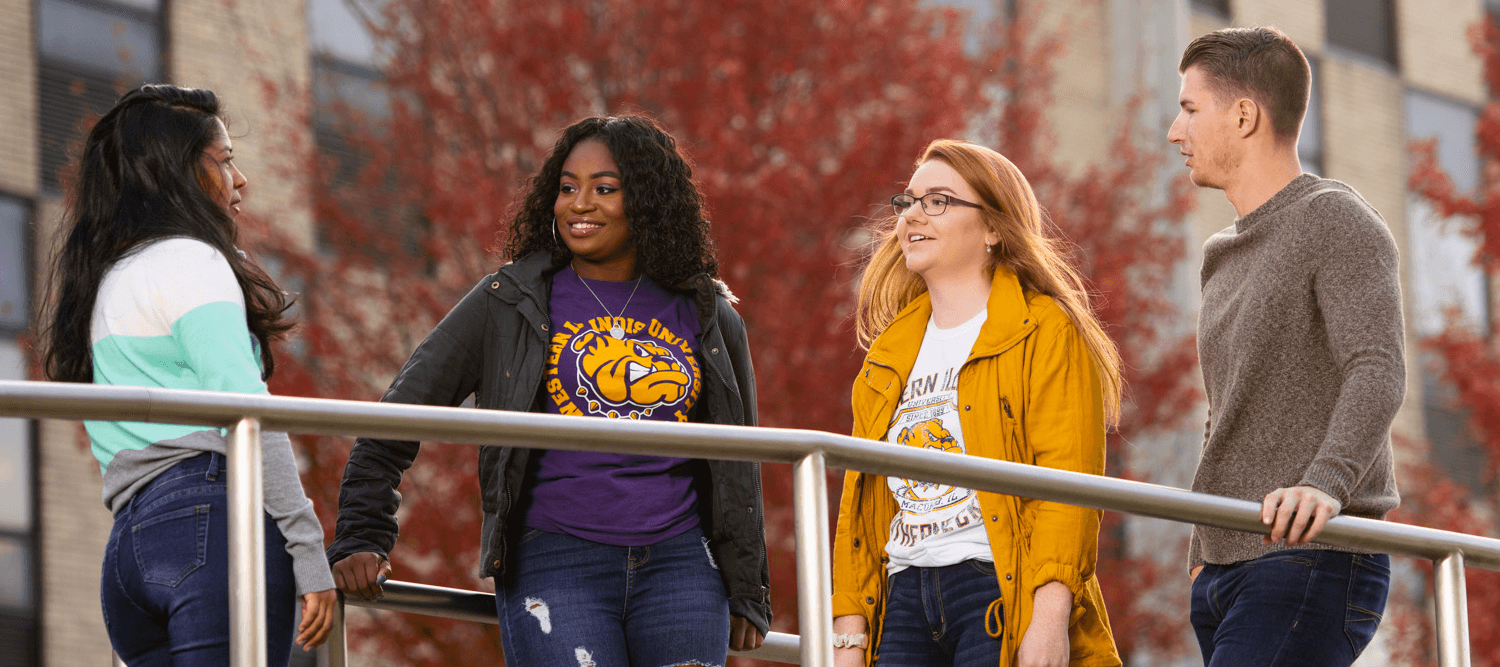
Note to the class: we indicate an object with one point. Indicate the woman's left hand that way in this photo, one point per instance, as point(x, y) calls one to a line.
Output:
point(743, 636)
point(1045, 643)
point(317, 618)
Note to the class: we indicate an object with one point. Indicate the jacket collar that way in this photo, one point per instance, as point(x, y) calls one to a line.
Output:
point(1009, 320)
point(530, 277)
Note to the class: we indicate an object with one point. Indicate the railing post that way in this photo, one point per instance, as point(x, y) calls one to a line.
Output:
point(335, 653)
point(1452, 610)
point(814, 585)
point(247, 547)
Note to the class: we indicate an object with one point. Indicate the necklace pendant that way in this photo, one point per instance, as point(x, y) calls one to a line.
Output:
point(616, 332)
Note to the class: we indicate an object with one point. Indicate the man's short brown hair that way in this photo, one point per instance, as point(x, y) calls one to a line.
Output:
point(1259, 63)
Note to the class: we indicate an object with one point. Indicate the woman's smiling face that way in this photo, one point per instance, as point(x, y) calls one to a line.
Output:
point(950, 243)
point(590, 212)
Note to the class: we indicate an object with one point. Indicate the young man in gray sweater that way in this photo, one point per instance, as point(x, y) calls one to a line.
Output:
point(1300, 341)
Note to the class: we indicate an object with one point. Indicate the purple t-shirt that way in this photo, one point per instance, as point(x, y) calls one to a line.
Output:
point(649, 372)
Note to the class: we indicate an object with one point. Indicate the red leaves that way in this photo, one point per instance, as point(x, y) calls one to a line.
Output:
point(1470, 363)
point(801, 118)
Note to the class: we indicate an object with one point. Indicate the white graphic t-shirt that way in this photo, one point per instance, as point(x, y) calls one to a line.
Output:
point(937, 524)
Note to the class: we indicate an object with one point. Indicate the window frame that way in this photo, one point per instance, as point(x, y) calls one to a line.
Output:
point(1218, 8)
point(28, 537)
point(1390, 60)
point(54, 74)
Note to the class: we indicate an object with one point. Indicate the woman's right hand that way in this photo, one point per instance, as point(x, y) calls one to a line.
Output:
point(361, 574)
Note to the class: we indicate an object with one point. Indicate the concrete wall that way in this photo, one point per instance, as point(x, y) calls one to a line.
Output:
point(255, 56)
point(18, 125)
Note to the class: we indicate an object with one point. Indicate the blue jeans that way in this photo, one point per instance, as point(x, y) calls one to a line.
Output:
point(937, 616)
point(165, 582)
point(1303, 607)
point(572, 602)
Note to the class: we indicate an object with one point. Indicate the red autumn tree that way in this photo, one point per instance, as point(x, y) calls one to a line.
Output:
point(801, 119)
point(1470, 362)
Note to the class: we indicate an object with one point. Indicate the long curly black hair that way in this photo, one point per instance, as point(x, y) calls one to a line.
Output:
point(663, 206)
point(140, 180)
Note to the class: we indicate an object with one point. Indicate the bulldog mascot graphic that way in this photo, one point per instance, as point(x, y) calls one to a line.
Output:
point(627, 377)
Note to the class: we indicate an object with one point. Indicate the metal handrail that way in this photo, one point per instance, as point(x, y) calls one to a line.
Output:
point(478, 607)
point(808, 451)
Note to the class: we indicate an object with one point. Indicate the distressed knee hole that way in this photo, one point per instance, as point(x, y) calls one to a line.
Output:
point(537, 608)
point(585, 659)
point(711, 563)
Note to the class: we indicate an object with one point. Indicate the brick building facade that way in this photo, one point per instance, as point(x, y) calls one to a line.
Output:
point(1386, 71)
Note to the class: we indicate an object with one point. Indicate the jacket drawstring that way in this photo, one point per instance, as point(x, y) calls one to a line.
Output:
point(995, 613)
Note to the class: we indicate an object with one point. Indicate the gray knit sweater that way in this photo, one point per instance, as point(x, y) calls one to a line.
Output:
point(1300, 340)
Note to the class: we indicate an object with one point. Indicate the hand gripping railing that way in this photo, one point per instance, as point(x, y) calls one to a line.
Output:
point(808, 452)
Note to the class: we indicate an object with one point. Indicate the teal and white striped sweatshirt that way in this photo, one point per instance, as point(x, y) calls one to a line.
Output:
point(171, 314)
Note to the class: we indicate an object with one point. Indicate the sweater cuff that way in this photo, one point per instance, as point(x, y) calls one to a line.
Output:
point(310, 569)
point(1328, 479)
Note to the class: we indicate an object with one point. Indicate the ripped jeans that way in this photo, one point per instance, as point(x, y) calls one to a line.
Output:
point(570, 602)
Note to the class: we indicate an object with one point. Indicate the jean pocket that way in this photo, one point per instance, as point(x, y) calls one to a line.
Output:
point(171, 546)
point(984, 567)
point(1369, 583)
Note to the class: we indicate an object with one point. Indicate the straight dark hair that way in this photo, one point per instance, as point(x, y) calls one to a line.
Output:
point(1260, 63)
point(140, 179)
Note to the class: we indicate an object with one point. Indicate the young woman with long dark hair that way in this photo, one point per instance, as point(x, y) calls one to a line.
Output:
point(609, 308)
point(149, 289)
point(980, 341)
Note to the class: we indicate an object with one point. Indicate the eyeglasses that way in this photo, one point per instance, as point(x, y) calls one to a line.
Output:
point(933, 203)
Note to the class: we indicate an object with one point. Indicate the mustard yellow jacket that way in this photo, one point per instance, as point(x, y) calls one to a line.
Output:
point(1031, 393)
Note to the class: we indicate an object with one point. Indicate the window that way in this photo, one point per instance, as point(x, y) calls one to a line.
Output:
point(347, 77)
point(1442, 273)
point(1444, 276)
point(89, 51)
point(348, 86)
point(15, 272)
point(1310, 142)
point(1366, 27)
point(346, 63)
point(1217, 7)
point(18, 580)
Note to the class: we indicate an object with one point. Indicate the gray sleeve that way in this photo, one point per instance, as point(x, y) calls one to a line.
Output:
point(293, 513)
point(1358, 292)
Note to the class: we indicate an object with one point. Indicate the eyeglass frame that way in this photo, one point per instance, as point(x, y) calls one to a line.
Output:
point(923, 201)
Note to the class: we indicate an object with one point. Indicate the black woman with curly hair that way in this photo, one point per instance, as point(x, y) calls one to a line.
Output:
point(609, 308)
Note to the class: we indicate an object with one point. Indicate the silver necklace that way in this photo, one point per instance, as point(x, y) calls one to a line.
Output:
point(616, 330)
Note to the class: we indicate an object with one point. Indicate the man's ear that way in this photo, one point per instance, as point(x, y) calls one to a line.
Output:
point(1248, 116)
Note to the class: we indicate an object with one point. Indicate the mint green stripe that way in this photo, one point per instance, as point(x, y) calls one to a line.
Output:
point(209, 349)
point(108, 439)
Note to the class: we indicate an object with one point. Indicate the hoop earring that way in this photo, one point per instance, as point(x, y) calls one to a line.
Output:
point(555, 240)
